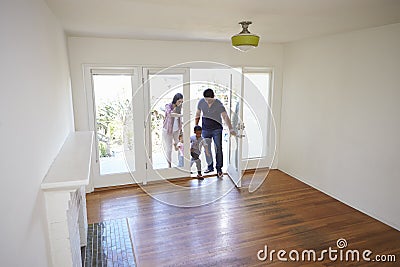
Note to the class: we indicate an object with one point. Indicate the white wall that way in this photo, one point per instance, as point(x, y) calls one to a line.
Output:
point(36, 116)
point(340, 124)
point(164, 54)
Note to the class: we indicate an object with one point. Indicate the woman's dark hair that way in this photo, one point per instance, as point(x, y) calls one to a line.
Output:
point(177, 97)
point(208, 93)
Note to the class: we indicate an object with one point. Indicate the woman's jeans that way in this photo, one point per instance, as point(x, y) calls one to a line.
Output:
point(215, 135)
point(168, 141)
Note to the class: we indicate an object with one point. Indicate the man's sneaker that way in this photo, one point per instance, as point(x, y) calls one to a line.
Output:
point(200, 177)
point(208, 170)
point(220, 175)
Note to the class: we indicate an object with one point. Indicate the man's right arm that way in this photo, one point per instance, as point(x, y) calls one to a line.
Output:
point(197, 117)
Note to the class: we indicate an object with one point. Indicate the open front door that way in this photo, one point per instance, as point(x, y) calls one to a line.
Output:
point(235, 166)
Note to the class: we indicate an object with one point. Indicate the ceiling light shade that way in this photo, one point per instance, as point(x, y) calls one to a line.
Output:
point(245, 40)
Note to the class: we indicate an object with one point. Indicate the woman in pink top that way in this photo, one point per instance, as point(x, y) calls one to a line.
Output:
point(172, 125)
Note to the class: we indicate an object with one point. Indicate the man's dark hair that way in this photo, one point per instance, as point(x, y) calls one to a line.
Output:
point(208, 93)
point(197, 128)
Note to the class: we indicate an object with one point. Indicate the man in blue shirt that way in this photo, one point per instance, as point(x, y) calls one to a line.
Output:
point(213, 112)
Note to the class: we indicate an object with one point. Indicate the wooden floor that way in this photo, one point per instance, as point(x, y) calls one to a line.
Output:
point(284, 214)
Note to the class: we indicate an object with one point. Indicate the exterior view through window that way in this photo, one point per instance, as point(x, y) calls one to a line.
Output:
point(114, 122)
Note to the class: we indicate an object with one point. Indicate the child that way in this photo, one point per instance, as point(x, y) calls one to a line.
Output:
point(196, 142)
point(179, 147)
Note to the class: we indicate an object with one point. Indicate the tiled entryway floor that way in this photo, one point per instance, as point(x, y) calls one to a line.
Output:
point(109, 244)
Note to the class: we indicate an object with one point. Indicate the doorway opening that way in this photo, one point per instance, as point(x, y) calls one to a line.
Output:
point(129, 109)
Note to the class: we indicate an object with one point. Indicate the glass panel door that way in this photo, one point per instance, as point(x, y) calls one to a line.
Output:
point(256, 93)
point(166, 120)
point(259, 144)
point(116, 121)
point(235, 164)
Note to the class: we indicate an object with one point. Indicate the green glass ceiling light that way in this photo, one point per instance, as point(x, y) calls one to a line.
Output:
point(245, 40)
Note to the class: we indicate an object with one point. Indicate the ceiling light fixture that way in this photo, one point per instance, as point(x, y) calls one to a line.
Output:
point(245, 40)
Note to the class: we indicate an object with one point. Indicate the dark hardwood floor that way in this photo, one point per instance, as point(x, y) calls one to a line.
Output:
point(284, 214)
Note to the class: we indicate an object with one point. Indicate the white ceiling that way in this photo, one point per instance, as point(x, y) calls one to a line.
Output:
point(275, 21)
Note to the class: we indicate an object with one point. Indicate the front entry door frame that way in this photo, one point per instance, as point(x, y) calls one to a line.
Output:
point(143, 172)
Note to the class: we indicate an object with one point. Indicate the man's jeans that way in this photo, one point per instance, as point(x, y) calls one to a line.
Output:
point(215, 135)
